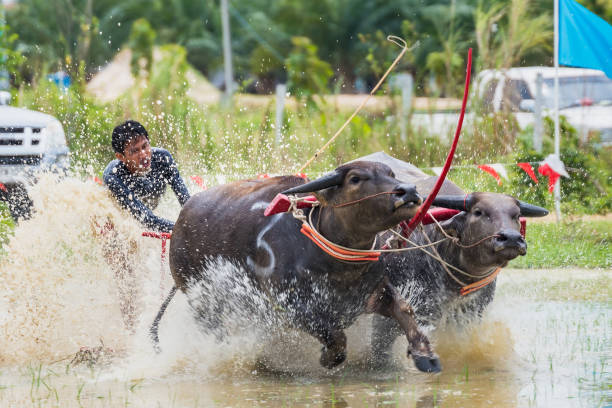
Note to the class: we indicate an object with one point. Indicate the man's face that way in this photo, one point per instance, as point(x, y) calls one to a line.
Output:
point(136, 155)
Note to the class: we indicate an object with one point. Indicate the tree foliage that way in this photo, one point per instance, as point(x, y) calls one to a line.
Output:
point(10, 58)
point(308, 75)
point(348, 34)
point(141, 41)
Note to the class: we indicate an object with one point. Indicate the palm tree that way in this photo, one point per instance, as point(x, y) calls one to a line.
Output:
point(507, 34)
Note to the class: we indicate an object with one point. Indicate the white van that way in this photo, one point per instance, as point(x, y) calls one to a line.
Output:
point(585, 99)
point(30, 142)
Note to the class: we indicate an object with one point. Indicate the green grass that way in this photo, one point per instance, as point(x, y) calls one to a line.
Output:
point(568, 244)
point(6, 223)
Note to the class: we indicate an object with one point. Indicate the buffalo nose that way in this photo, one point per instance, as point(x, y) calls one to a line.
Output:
point(407, 193)
point(511, 239)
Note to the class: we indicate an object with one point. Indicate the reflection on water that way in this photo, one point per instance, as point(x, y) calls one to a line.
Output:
point(57, 293)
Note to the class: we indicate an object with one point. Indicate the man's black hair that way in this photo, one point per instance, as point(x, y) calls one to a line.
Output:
point(125, 132)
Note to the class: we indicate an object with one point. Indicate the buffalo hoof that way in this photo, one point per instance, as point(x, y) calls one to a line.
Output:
point(331, 358)
point(427, 364)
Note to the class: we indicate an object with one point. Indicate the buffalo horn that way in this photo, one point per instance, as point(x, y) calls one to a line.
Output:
point(530, 210)
point(331, 179)
point(455, 202)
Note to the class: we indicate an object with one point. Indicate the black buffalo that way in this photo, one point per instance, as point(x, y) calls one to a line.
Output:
point(227, 222)
point(486, 236)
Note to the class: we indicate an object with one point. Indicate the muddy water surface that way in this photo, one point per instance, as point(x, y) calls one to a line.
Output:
point(545, 341)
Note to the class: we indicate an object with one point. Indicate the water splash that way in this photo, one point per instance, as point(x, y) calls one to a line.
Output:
point(58, 291)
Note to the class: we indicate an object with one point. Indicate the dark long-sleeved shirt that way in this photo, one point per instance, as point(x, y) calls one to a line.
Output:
point(140, 193)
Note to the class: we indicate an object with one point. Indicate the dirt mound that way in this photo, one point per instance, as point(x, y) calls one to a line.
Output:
point(116, 78)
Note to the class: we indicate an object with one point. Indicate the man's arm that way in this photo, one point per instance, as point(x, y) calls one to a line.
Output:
point(141, 212)
point(174, 179)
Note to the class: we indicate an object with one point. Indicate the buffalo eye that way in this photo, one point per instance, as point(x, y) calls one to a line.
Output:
point(354, 179)
point(477, 213)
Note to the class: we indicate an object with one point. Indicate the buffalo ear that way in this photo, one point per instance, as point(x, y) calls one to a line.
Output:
point(455, 224)
point(328, 180)
point(325, 196)
point(530, 210)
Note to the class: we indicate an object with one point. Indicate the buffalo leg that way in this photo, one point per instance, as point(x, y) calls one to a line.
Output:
point(153, 331)
point(334, 347)
point(384, 333)
point(388, 302)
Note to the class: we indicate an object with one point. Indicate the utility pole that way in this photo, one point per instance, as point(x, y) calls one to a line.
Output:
point(405, 83)
point(537, 125)
point(557, 190)
point(281, 89)
point(227, 54)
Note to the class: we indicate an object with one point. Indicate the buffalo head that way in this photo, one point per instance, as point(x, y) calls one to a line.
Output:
point(354, 195)
point(488, 215)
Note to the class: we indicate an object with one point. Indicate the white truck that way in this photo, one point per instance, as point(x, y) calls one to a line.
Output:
point(30, 142)
point(585, 99)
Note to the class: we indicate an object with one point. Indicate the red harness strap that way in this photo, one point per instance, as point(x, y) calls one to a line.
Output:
point(408, 227)
point(164, 236)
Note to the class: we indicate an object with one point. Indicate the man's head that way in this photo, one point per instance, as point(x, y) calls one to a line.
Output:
point(131, 145)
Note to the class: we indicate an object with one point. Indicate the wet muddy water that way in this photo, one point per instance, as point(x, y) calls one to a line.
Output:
point(544, 342)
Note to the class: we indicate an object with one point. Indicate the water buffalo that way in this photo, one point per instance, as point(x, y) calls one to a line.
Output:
point(487, 236)
point(316, 292)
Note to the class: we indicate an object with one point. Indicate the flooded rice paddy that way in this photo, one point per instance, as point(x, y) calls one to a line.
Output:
point(544, 342)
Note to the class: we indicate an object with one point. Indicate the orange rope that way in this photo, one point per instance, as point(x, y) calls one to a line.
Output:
point(480, 284)
point(335, 251)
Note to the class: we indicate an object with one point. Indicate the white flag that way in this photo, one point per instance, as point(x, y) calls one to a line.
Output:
point(556, 164)
point(500, 169)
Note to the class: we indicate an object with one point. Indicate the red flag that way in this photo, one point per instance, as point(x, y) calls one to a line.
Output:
point(529, 170)
point(198, 180)
point(552, 175)
point(3, 187)
point(491, 171)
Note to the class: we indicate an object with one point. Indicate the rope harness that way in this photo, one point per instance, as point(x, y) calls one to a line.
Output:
point(352, 255)
point(339, 252)
point(483, 280)
point(363, 199)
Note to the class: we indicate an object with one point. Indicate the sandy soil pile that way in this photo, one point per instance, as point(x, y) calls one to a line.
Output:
point(116, 78)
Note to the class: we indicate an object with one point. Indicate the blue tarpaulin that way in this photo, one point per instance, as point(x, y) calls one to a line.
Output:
point(585, 40)
point(60, 78)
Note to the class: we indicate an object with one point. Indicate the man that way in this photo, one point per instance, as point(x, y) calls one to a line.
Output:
point(137, 179)
point(140, 174)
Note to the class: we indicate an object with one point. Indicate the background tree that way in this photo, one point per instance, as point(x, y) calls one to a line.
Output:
point(508, 35)
point(11, 59)
point(308, 75)
point(57, 34)
point(141, 41)
point(348, 34)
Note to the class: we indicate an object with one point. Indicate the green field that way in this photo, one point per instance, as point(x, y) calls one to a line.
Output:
point(567, 244)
